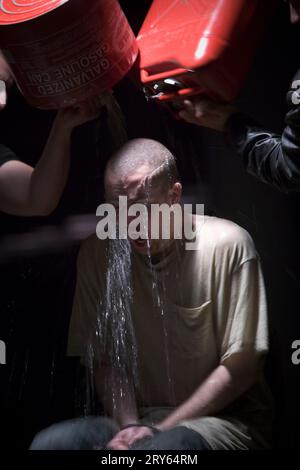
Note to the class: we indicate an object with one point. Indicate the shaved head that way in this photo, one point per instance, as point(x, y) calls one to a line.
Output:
point(145, 172)
point(145, 157)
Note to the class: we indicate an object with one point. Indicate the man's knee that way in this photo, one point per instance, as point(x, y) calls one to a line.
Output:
point(178, 438)
point(78, 434)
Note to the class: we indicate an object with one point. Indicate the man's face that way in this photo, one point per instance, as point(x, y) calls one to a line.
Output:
point(295, 11)
point(137, 192)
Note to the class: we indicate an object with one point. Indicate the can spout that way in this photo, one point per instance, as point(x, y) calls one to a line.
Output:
point(193, 47)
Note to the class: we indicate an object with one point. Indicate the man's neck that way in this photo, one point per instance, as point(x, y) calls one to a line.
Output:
point(165, 251)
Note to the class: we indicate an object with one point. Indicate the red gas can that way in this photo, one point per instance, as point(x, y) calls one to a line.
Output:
point(200, 46)
point(64, 51)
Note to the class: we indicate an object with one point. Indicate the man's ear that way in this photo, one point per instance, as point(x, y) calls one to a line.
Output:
point(175, 193)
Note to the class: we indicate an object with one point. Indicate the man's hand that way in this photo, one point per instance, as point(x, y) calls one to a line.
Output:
point(203, 112)
point(69, 118)
point(127, 437)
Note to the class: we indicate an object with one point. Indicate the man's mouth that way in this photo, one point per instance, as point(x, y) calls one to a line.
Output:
point(140, 243)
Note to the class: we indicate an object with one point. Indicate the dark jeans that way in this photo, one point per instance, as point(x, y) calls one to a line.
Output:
point(94, 433)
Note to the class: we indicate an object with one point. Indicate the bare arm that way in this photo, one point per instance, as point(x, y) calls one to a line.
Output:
point(223, 386)
point(226, 383)
point(25, 191)
point(117, 395)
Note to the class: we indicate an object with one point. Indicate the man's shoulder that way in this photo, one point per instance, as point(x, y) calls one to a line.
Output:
point(91, 249)
point(222, 230)
point(91, 241)
point(292, 96)
point(225, 237)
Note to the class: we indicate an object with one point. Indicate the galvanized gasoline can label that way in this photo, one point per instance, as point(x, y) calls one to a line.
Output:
point(87, 50)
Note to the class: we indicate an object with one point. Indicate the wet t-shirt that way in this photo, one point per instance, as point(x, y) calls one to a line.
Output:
point(191, 311)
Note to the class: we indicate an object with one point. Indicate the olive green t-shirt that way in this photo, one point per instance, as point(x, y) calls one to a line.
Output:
point(211, 305)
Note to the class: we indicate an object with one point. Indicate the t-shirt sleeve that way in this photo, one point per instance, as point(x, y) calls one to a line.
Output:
point(246, 325)
point(84, 312)
point(89, 335)
point(6, 155)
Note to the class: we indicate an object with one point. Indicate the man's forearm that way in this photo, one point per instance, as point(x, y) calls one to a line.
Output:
point(219, 390)
point(117, 395)
point(50, 174)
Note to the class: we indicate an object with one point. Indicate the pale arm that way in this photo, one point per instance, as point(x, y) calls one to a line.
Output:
point(27, 191)
point(226, 383)
point(118, 401)
point(120, 404)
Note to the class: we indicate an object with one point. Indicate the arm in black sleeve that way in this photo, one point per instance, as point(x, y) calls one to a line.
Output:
point(272, 158)
point(6, 155)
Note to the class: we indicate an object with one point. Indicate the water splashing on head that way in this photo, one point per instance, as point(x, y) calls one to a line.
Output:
point(145, 172)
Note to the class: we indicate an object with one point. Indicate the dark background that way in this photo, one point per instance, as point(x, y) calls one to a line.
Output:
point(39, 385)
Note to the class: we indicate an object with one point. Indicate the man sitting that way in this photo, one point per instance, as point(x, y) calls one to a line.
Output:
point(191, 374)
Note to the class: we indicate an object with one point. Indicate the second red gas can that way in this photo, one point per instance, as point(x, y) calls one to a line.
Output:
point(200, 46)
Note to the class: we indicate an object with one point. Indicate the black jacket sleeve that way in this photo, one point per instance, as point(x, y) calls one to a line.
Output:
point(6, 155)
point(272, 158)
